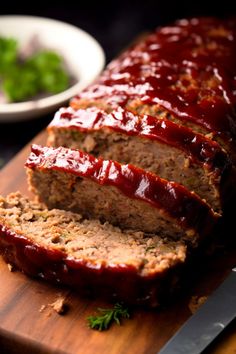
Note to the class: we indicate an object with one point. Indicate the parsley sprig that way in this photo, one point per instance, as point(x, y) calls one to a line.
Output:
point(107, 317)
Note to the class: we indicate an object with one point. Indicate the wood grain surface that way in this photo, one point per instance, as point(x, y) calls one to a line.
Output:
point(28, 324)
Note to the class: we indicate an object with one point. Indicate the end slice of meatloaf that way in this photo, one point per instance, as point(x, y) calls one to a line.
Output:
point(165, 148)
point(124, 195)
point(62, 247)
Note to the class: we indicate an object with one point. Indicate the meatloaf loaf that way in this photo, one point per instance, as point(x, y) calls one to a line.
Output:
point(165, 110)
point(181, 77)
point(124, 195)
point(62, 247)
point(165, 148)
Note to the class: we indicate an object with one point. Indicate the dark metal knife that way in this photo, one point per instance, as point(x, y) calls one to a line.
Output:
point(205, 325)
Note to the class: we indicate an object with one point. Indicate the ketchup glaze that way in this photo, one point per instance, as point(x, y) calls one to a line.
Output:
point(187, 68)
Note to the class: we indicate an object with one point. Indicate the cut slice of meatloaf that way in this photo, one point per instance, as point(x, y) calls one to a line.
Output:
point(124, 195)
point(62, 247)
point(167, 149)
point(183, 72)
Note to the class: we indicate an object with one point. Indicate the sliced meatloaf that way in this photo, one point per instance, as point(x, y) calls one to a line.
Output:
point(124, 195)
point(62, 247)
point(165, 148)
point(184, 72)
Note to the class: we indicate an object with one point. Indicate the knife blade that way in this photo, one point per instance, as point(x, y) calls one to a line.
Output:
point(208, 322)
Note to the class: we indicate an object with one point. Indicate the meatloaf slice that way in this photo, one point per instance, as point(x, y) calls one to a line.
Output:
point(158, 145)
point(137, 107)
point(62, 247)
point(121, 194)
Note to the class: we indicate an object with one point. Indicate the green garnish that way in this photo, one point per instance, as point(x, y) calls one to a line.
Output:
point(107, 317)
point(41, 72)
point(48, 65)
point(8, 54)
point(20, 84)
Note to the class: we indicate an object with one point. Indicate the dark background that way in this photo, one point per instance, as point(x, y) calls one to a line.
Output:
point(114, 24)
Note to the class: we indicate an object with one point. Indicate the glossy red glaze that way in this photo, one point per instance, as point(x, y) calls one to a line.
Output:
point(187, 68)
point(185, 206)
point(119, 282)
point(199, 148)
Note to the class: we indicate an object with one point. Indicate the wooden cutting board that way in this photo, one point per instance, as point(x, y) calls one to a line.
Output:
point(28, 323)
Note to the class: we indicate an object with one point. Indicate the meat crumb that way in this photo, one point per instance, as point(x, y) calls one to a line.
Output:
point(42, 308)
point(196, 302)
point(10, 267)
point(59, 306)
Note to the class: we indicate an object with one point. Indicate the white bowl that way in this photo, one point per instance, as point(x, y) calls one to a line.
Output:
point(82, 53)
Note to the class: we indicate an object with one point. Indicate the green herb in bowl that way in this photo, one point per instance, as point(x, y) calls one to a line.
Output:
point(42, 72)
point(8, 55)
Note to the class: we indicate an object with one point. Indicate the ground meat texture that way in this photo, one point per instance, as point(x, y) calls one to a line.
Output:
point(166, 152)
point(121, 194)
point(64, 247)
